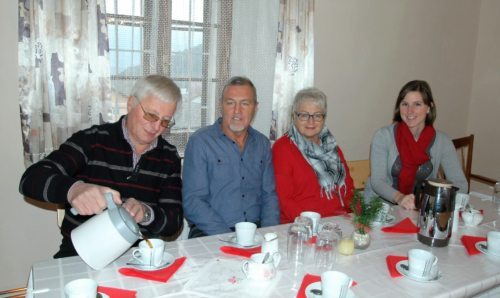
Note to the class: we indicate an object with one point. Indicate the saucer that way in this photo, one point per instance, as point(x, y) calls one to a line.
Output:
point(406, 273)
point(317, 286)
point(168, 259)
point(482, 246)
point(231, 239)
point(102, 295)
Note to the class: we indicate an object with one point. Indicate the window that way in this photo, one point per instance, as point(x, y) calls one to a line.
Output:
point(186, 40)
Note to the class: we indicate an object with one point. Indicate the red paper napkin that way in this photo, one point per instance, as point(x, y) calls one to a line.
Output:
point(469, 243)
point(313, 240)
point(391, 264)
point(309, 279)
point(406, 226)
point(162, 275)
point(242, 252)
point(116, 292)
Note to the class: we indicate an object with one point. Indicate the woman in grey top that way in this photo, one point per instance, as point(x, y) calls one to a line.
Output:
point(410, 150)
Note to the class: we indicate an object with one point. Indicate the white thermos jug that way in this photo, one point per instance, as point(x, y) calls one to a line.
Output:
point(106, 236)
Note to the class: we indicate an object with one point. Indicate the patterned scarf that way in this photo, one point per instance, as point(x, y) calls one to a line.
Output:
point(324, 159)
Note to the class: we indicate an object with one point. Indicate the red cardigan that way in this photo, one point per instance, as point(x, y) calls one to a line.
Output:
point(298, 187)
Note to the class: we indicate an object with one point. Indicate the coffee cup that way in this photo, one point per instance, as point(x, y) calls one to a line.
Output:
point(270, 243)
point(315, 217)
point(422, 263)
point(260, 267)
point(494, 242)
point(335, 284)
point(245, 233)
point(150, 256)
point(81, 288)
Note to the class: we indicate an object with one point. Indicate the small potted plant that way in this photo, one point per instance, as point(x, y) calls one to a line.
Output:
point(364, 213)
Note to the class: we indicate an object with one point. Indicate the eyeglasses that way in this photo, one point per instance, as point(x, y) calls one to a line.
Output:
point(317, 117)
point(166, 123)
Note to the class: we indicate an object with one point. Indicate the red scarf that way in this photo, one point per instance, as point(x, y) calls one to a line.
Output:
point(412, 154)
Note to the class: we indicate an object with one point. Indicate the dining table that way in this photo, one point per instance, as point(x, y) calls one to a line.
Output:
point(209, 272)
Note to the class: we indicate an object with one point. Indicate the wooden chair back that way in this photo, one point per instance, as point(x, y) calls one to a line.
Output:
point(465, 148)
point(360, 171)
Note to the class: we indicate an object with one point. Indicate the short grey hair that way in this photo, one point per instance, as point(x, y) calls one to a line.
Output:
point(159, 86)
point(311, 94)
point(239, 81)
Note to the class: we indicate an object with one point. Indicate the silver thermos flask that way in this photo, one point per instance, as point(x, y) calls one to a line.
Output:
point(435, 201)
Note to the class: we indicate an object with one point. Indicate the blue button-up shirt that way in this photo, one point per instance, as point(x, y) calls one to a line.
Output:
point(223, 185)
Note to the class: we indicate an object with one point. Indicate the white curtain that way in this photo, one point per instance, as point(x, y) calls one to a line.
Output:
point(294, 67)
point(64, 81)
point(253, 51)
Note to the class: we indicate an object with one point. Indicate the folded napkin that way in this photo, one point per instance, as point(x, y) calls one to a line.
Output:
point(460, 212)
point(116, 292)
point(391, 264)
point(406, 226)
point(242, 252)
point(162, 275)
point(308, 279)
point(469, 243)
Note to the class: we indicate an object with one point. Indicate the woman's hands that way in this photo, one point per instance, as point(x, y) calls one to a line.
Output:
point(405, 201)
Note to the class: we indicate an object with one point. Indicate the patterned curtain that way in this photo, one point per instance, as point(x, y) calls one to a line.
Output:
point(294, 60)
point(64, 83)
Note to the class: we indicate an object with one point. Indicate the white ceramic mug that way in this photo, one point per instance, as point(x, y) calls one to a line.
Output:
point(494, 242)
point(315, 217)
point(81, 288)
point(422, 263)
point(257, 269)
point(270, 243)
point(150, 256)
point(245, 233)
point(335, 284)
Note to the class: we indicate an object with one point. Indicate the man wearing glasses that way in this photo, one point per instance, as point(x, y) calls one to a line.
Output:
point(128, 159)
point(228, 173)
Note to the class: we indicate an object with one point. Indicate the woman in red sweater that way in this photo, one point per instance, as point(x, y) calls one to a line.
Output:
point(310, 169)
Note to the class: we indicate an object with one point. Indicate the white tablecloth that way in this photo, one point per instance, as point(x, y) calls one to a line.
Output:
point(208, 272)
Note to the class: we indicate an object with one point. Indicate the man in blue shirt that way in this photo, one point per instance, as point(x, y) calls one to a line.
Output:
point(228, 175)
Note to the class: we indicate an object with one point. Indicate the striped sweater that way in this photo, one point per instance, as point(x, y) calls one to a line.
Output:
point(101, 155)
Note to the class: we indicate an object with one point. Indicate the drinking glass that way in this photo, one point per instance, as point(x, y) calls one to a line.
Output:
point(308, 222)
point(325, 252)
point(297, 244)
point(496, 193)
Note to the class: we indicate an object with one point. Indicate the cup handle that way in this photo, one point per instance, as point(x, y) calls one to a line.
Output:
point(136, 254)
point(244, 268)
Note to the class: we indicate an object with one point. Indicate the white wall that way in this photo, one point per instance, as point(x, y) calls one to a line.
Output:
point(484, 115)
point(365, 52)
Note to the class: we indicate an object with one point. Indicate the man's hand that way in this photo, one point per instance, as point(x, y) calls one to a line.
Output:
point(88, 199)
point(135, 208)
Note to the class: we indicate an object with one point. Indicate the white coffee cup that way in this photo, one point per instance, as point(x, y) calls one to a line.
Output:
point(422, 263)
point(270, 243)
point(245, 233)
point(335, 284)
point(315, 217)
point(81, 288)
point(150, 256)
point(494, 242)
point(257, 269)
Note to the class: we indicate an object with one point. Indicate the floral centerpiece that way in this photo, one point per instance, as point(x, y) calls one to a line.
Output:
point(364, 213)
